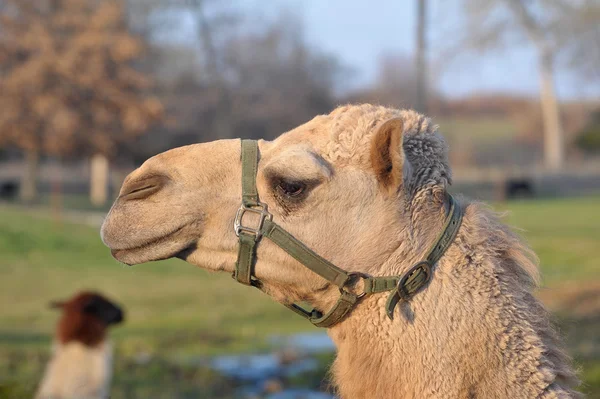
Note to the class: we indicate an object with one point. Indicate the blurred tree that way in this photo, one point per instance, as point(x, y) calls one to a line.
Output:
point(222, 123)
point(421, 57)
point(67, 85)
point(550, 26)
point(579, 37)
point(278, 80)
point(243, 76)
point(397, 84)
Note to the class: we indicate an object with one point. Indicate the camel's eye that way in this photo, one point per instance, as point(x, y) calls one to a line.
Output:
point(290, 192)
point(291, 189)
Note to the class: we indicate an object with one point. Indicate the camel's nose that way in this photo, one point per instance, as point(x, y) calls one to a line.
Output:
point(143, 187)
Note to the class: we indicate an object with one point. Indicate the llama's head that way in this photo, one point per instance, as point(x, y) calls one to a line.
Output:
point(85, 318)
point(341, 183)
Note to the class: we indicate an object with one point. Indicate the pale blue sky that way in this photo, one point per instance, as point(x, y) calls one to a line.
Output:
point(358, 32)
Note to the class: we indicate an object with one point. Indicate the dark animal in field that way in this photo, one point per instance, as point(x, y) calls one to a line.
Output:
point(81, 362)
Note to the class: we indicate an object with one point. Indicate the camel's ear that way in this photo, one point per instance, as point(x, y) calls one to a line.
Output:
point(387, 156)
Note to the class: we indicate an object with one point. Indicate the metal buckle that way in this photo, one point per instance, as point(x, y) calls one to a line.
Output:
point(352, 276)
point(260, 209)
point(405, 292)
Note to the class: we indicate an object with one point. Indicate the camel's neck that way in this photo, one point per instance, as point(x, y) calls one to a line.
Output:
point(475, 331)
point(372, 349)
point(424, 219)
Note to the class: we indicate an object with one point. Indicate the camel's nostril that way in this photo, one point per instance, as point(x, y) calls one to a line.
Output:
point(141, 193)
point(143, 188)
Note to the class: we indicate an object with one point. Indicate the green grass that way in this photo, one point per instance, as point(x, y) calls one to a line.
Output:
point(565, 234)
point(171, 304)
point(174, 308)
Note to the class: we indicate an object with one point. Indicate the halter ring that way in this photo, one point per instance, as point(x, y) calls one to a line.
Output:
point(261, 210)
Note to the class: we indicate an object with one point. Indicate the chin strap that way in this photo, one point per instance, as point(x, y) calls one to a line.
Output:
point(402, 287)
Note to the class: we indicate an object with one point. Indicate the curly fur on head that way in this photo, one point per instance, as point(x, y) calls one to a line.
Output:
point(426, 151)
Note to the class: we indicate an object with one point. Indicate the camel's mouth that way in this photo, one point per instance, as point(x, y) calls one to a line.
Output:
point(170, 245)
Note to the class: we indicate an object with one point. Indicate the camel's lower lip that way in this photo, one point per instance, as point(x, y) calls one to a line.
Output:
point(163, 247)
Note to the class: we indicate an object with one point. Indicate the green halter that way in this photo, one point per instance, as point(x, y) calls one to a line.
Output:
point(402, 287)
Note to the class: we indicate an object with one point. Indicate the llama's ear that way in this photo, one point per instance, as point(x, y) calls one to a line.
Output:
point(56, 305)
point(387, 156)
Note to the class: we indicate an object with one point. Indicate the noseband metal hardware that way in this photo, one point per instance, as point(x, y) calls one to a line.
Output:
point(261, 209)
point(414, 279)
point(403, 288)
point(352, 279)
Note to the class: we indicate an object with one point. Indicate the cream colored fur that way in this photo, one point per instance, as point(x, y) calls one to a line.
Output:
point(476, 331)
point(77, 371)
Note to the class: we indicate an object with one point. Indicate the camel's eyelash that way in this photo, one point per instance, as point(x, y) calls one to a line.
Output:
point(290, 189)
point(288, 202)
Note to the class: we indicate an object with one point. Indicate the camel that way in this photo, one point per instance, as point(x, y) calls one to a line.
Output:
point(365, 190)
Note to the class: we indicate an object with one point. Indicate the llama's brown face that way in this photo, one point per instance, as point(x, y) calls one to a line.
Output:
point(182, 203)
point(85, 318)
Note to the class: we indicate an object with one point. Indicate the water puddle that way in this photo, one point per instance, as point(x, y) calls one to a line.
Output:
point(289, 371)
point(256, 367)
point(317, 342)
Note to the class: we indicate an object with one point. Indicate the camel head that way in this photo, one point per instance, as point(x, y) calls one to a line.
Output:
point(342, 184)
